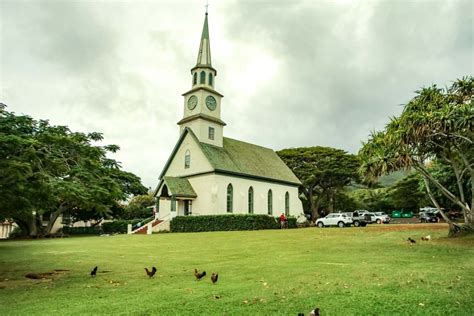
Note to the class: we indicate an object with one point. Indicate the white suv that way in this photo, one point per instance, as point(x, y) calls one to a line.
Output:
point(334, 219)
point(381, 217)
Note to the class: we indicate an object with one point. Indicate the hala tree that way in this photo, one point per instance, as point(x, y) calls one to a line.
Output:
point(436, 125)
point(407, 193)
point(323, 171)
point(47, 169)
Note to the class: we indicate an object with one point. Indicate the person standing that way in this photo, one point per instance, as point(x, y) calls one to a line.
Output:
point(282, 221)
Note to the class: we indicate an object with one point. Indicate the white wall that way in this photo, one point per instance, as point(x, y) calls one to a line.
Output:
point(212, 196)
point(200, 127)
point(6, 228)
point(199, 162)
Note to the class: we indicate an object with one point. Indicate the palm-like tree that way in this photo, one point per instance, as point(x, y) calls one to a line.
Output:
point(437, 124)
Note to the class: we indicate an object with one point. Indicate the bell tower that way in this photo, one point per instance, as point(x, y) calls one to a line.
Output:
point(202, 104)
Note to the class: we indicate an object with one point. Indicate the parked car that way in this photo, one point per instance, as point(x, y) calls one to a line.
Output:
point(360, 219)
point(334, 219)
point(381, 217)
point(428, 217)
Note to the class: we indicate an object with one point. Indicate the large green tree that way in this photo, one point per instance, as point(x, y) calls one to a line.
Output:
point(140, 206)
point(50, 170)
point(437, 124)
point(323, 172)
point(408, 194)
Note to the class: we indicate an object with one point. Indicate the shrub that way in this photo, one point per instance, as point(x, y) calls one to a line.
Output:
point(226, 222)
point(119, 226)
point(94, 230)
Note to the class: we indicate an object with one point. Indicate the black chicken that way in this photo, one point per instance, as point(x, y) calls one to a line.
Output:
point(150, 273)
point(94, 272)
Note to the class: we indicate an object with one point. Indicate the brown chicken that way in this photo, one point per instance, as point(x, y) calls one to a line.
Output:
point(150, 273)
point(199, 275)
point(214, 277)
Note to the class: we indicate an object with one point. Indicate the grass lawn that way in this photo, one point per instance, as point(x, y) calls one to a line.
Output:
point(370, 270)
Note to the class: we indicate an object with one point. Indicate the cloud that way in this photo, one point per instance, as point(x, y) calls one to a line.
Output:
point(299, 73)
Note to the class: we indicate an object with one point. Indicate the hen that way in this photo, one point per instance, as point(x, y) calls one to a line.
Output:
point(199, 275)
point(411, 240)
point(214, 277)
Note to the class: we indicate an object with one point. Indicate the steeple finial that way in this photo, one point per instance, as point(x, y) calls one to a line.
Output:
point(207, 6)
point(204, 55)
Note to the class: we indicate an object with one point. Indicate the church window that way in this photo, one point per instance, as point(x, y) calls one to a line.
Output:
point(270, 202)
point(230, 198)
point(210, 79)
point(202, 77)
point(195, 78)
point(250, 200)
point(211, 133)
point(187, 159)
point(287, 204)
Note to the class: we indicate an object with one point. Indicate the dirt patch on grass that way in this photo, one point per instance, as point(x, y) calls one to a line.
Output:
point(399, 227)
point(45, 275)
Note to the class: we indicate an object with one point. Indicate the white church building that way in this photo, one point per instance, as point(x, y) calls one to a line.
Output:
point(209, 174)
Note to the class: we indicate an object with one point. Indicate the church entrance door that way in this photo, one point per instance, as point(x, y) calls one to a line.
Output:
point(187, 207)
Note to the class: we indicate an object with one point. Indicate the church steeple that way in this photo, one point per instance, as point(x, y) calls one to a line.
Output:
point(202, 104)
point(204, 55)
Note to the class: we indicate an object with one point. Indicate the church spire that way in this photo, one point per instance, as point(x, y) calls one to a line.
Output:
point(204, 55)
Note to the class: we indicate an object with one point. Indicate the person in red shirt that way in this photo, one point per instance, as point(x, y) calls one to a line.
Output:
point(282, 221)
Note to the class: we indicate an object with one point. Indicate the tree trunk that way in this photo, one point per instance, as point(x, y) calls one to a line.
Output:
point(52, 220)
point(315, 210)
point(97, 223)
point(32, 228)
point(454, 229)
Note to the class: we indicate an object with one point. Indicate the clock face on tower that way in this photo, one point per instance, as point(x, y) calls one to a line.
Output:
point(211, 102)
point(192, 102)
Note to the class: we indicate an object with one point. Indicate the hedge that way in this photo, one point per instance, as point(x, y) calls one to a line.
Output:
point(96, 230)
point(205, 223)
point(119, 226)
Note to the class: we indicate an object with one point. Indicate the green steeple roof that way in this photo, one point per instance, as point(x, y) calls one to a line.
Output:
point(204, 55)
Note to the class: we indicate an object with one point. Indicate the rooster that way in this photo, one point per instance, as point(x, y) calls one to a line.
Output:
point(411, 240)
point(314, 312)
point(150, 273)
point(94, 272)
point(426, 238)
point(198, 275)
point(214, 277)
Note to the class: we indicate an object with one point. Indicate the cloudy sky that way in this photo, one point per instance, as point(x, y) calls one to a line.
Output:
point(293, 73)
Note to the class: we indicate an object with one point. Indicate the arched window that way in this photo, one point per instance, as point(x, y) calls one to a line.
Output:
point(287, 204)
point(187, 159)
point(210, 79)
point(270, 202)
point(202, 77)
point(250, 200)
point(230, 198)
point(195, 78)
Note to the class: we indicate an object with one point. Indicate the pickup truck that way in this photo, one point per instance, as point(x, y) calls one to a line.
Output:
point(360, 219)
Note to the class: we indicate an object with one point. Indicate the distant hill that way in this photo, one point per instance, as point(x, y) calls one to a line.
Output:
point(390, 179)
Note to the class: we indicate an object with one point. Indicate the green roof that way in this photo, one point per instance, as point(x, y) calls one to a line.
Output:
point(179, 187)
point(246, 159)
